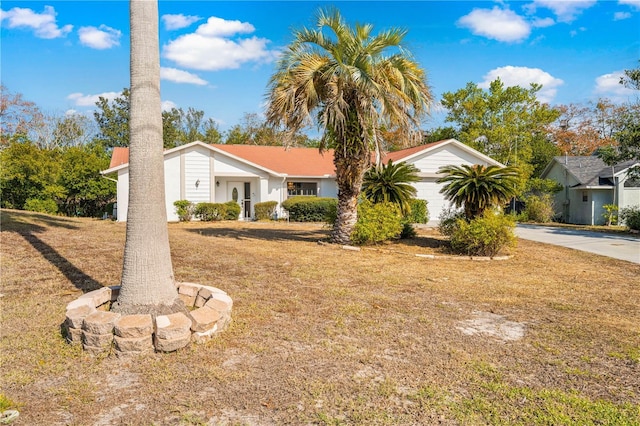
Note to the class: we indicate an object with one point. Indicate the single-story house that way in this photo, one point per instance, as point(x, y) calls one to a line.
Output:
point(251, 174)
point(587, 185)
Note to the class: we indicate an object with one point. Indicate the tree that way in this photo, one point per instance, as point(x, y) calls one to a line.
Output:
point(501, 122)
point(391, 183)
point(351, 83)
point(147, 284)
point(112, 118)
point(478, 188)
point(18, 117)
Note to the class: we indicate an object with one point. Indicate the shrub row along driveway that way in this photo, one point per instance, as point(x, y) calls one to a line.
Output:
point(623, 247)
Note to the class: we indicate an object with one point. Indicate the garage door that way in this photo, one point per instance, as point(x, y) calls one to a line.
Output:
point(429, 190)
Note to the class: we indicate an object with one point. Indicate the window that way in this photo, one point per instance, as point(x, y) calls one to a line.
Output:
point(585, 196)
point(302, 188)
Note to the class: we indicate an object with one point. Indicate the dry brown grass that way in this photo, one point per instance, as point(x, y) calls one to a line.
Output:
point(322, 335)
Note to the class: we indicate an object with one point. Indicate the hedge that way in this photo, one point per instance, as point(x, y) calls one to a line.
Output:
point(308, 208)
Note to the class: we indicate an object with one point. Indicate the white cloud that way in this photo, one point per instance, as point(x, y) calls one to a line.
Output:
point(498, 24)
point(609, 85)
point(176, 22)
point(619, 16)
point(523, 77)
point(168, 105)
point(633, 3)
point(80, 99)
point(99, 38)
point(211, 47)
point(180, 76)
point(43, 24)
point(542, 22)
point(565, 10)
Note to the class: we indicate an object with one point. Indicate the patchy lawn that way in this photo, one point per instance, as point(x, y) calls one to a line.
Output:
point(322, 335)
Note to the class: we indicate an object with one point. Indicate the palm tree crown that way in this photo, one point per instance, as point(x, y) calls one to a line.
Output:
point(477, 187)
point(341, 78)
point(391, 183)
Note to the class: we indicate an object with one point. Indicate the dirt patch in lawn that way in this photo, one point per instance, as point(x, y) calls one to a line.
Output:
point(322, 335)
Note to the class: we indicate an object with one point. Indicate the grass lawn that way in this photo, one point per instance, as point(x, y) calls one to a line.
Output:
point(326, 336)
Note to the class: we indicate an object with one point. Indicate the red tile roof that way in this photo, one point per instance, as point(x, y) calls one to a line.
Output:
point(290, 161)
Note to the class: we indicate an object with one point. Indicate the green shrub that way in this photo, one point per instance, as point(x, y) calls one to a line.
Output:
point(538, 208)
point(610, 215)
point(265, 210)
point(307, 208)
point(42, 206)
point(419, 212)
point(483, 236)
point(184, 210)
point(377, 223)
point(232, 211)
point(448, 220)
point(408, 231)
point(631, 217)
point(208, 212)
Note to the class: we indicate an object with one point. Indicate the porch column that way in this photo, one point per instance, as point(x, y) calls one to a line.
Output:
point(212, 177)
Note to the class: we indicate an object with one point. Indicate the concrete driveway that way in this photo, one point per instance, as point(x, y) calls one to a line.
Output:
point(624, 247)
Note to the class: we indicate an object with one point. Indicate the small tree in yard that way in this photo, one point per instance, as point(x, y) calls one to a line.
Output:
point(391, 183)
point(477, 188)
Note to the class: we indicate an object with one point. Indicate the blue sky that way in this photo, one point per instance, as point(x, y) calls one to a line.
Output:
point(217, 56)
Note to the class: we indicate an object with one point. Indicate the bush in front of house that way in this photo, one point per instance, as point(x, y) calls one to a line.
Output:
point(308, 208)
point(184, 210)
point(538, 208)
point(265, 210)
point(232, 211)
point(448, 220)
point(419, 212)
point(485, 235)
point(631, 217)
point(377, 223)
point(208, 212)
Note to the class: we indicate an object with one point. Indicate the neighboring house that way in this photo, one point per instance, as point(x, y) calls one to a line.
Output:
point(587, 185)
point(251, 174)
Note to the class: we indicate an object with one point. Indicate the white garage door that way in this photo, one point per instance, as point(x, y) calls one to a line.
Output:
point(429, 190)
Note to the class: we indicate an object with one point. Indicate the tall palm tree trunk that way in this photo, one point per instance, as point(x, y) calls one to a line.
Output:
point(350, 170)
point(147, 284)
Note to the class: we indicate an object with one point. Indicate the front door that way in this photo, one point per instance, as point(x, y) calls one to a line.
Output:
point(240, 192)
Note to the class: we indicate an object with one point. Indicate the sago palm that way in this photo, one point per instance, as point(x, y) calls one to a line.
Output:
point(391, 183)
point(350, 83)
point(477, 187)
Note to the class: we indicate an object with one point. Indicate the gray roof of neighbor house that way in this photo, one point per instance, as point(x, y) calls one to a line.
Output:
point(588, 170)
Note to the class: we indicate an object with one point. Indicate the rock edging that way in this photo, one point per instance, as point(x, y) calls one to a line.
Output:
point(89, 321)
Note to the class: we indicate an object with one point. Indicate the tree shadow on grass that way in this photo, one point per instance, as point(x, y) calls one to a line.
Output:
point(16, 222)
point(269, 234)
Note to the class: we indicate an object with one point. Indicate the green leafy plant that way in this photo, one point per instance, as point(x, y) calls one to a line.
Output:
point(377, 223)
point(477, 188)
point(208, 212)
point(42, 206)
point(448, 219)
point(485, 235)
point(610, 214)
point(419, 211)
point(232, 210)
point(265, 210)
point(306, 208)
point(184, 210)
point(391, 183)
point(631, 217)
point(539, 208)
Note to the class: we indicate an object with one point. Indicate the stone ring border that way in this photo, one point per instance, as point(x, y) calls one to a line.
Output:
point(89, 321)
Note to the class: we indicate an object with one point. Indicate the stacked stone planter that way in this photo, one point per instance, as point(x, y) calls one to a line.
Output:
point(89, 321)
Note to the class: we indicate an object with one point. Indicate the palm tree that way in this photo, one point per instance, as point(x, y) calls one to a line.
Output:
point(344, 80)
point(391, 183)
point(147, 283)
point(478, 187)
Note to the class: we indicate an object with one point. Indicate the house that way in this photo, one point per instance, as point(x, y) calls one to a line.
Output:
point(251, 174)
point(587, 185)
